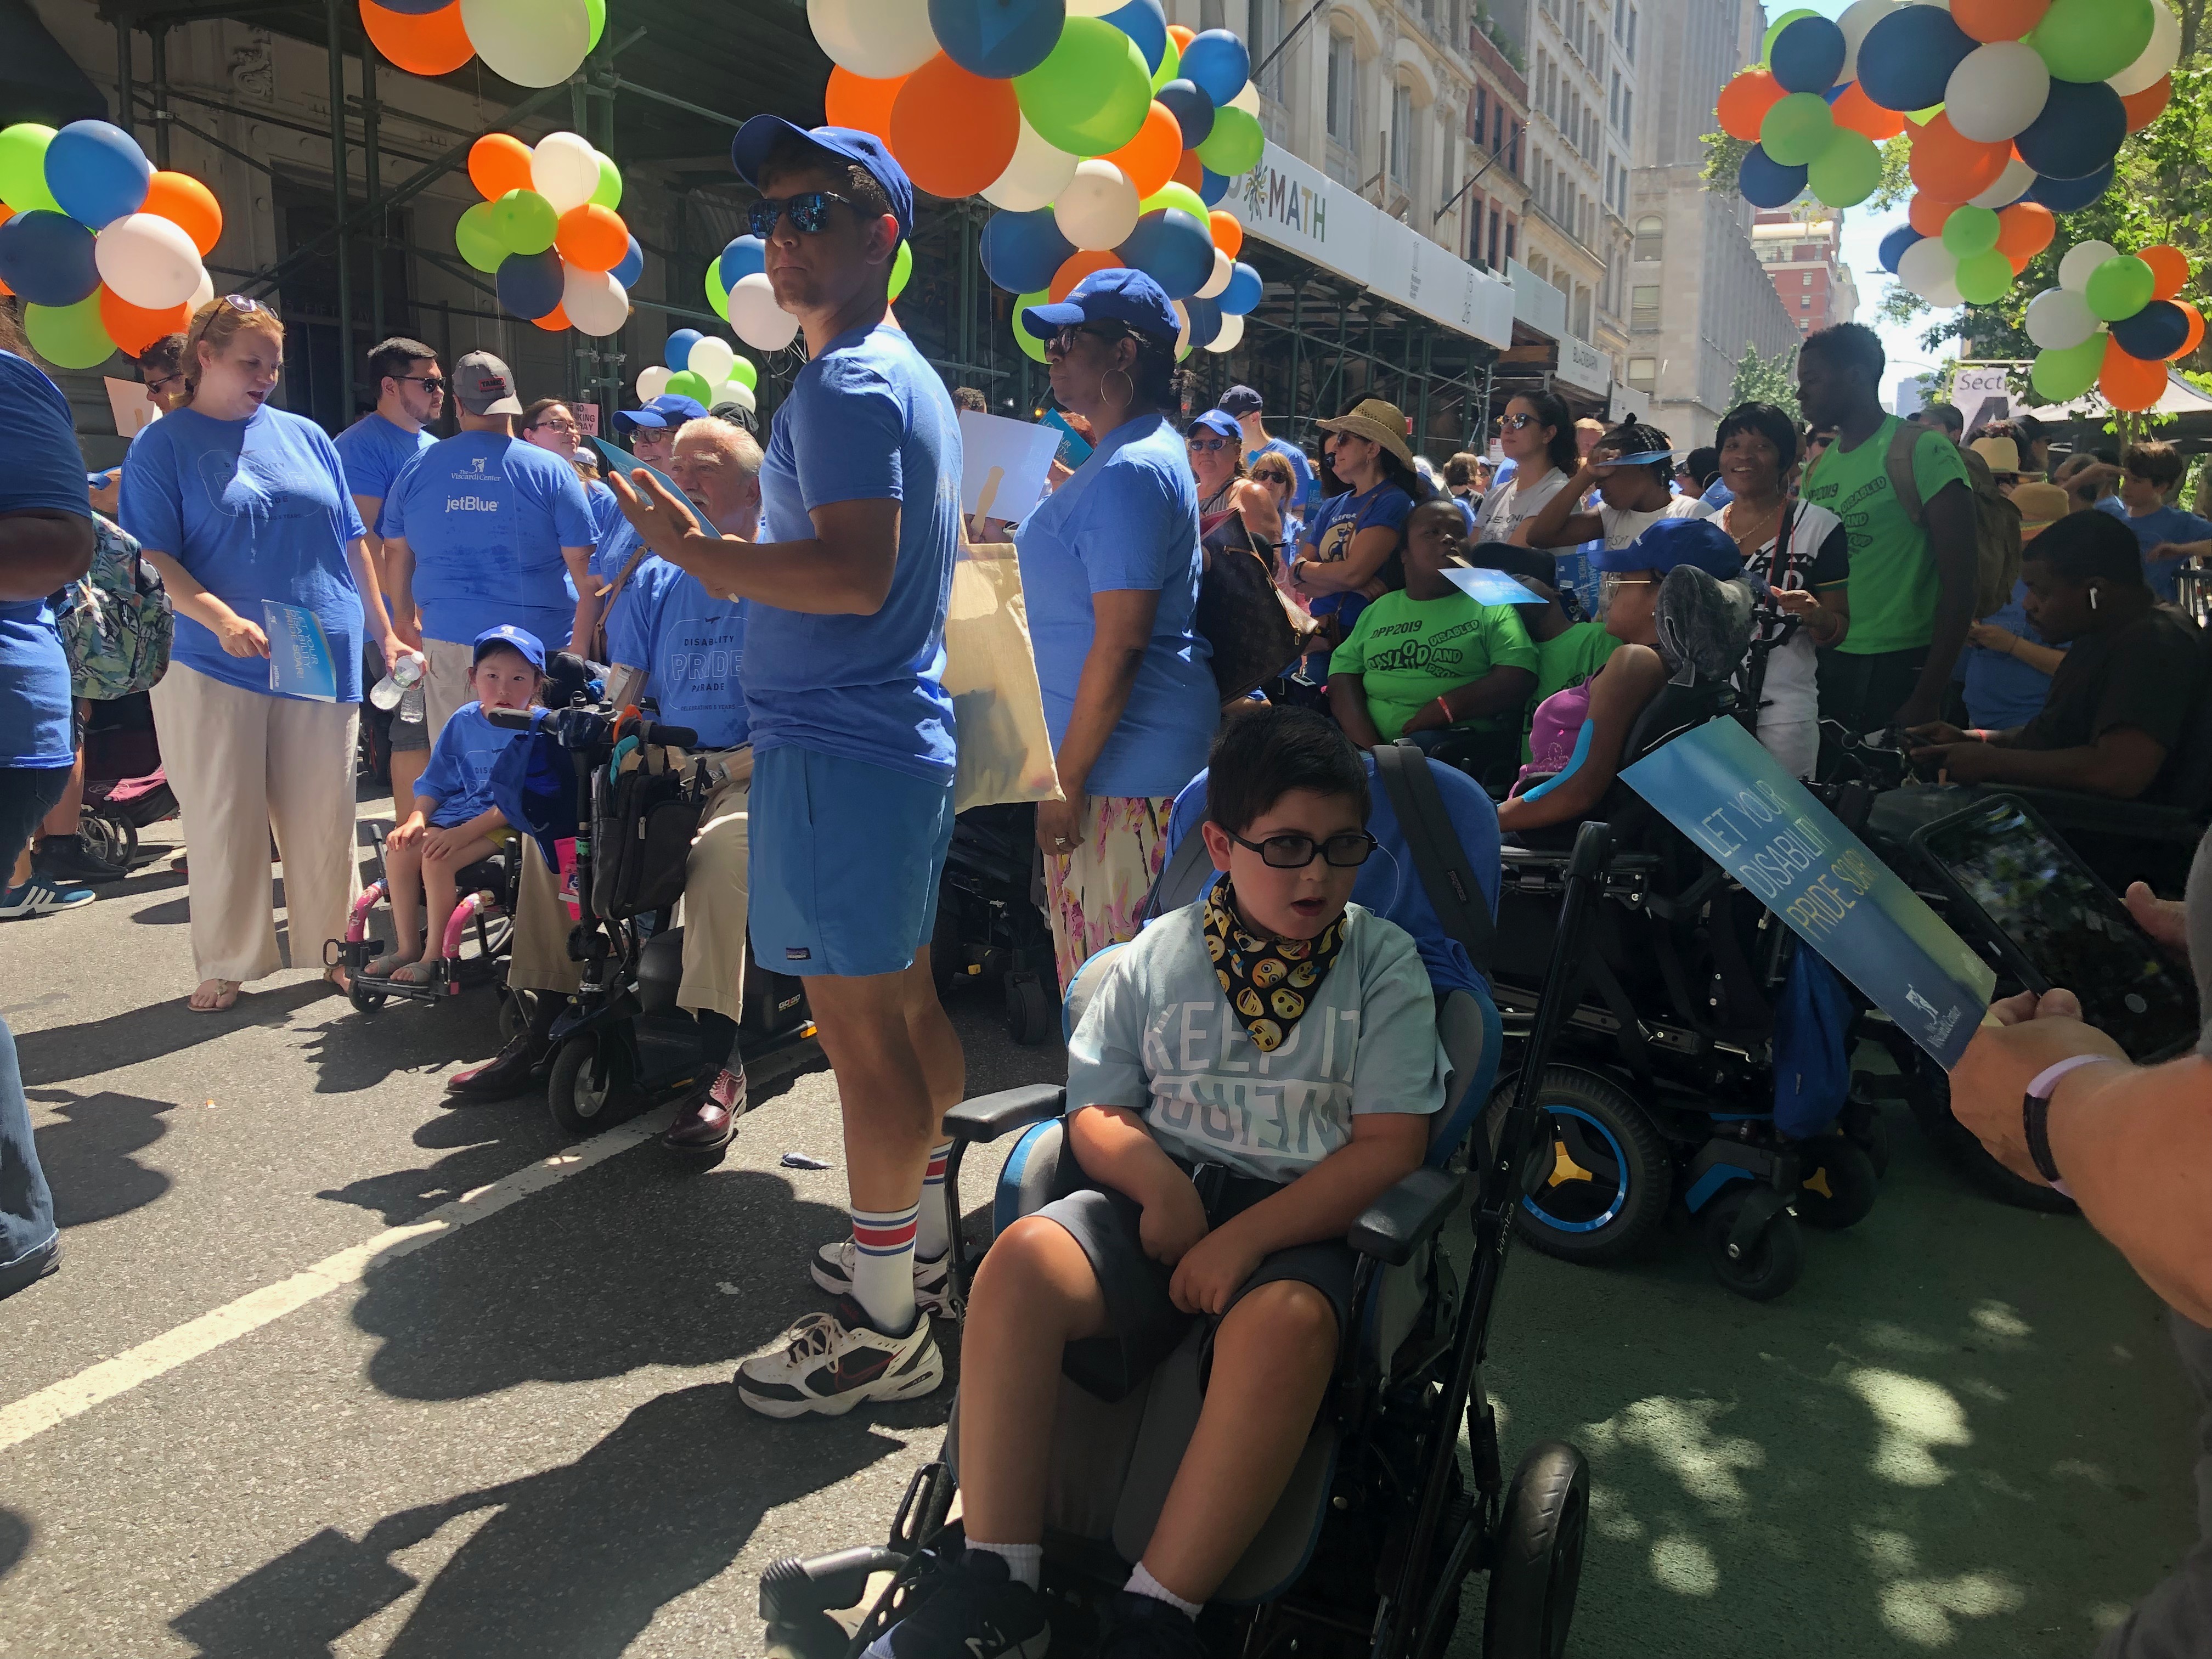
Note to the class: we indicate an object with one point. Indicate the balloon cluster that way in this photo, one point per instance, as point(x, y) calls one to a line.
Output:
point(2114, 322)
point(2016, 109)
point(548, 232)
point(699, 365)
point(103, 250)
point(738, 289)
point(533, 43)
point(1103, 133)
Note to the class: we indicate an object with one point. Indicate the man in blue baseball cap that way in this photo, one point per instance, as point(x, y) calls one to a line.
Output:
point(851, 808)
point(652, 429)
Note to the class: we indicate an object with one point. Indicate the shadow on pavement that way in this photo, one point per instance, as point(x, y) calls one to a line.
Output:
point(89, 1156)
point(15, 1540)
point(61, 1054)
point(352, 1050)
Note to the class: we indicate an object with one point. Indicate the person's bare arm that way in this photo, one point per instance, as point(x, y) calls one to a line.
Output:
point(1950, 518)
point(238, 636)
point(1559, 522)
point(1115, 1150)
point(1504, 687)
point(1369, 551)
point(372, 601)
point(371, 507)
point(844, 569)
point(579, 561)
point(1631, 676)
point(2166, 550)
point(1347, 700)
point(42, 549)
point(2123, 762)
point(1824, 614)
point(400, 592)
point(1257, 508)
point(2043, 658)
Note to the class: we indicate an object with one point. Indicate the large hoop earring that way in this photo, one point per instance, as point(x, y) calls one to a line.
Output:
point(1125, 381)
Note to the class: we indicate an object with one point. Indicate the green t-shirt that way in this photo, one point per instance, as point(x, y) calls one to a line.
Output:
point(1567, 659)
point(1894, 585)
point(1412, 651)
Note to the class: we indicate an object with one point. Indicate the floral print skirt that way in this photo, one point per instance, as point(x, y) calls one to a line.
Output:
point(1095, 895)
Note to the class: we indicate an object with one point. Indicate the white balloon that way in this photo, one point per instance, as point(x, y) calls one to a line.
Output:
point(1037, 173)
point(1246, 100)
point(1858, 18)
point(2080, 264)
point(712, 359)
point(534, 43)
point(881, 39)
point(2014, 182)
point(737, 392)
point(1930, 271)
point(1997, 90)
point(597, 304)
point(760, 322)
point(565, 169)
point(2158, 58)
point(148, 261)
point(1183, 327)
point(652, 381)
point(1097, 209)
point(204, 292)
point(1223, 268)
point(2059, 319)
point(1232, 333)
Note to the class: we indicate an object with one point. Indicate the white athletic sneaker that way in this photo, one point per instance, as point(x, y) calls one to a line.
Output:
point(832, 1269)
point(829, 1362)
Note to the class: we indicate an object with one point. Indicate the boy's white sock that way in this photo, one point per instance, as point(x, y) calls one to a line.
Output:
point(1142, 1582)
point(930, 1239)
point(1024, 1562)
point(883, 1268)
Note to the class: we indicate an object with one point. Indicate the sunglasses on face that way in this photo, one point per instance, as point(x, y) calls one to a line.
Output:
point(809, 211)
point(1207, 444)
point(433, 383)
point(1515, 422)
point(1345, 852)
point(158, 384)
point(1062, 342)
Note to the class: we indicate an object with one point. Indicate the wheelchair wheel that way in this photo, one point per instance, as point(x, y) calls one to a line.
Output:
point(1539, 1561)
point(1839, 1185)
point(364, 1001)
point(1029, 1010)
point(1927, 1091)
point(1602, 1185)
point(1775, 1261)
point(594, 1085)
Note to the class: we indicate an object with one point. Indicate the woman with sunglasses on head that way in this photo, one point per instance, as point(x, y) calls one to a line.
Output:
point(1538, 436)
point(1111, 564)
point(241, 506)
point(1354, 547)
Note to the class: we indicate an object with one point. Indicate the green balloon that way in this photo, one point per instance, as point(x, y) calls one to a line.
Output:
point(2120, 287)
point(1797, 129)
point(1092, 95)
point(902, 269)
point(1235, 145)
point(746, 375)
point(1971, 230)
point(1848, 171)
point(685, 384)
point(1171, 65)
point(597, 11)
point(718, 296)
point(523, 222)
point(2093, 40)
point(1983, 278)
point(476, 236)
point(1774, 31)
point(23, 167)
point(2064, 375)
point(1028, 343)
point(609, 194)
point(69, 337)
point(1173, 195)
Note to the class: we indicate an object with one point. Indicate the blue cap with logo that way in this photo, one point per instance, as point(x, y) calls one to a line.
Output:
point(1218, 421)
point(1116, 293)
point(1671, 542)
point(837, 145)
point(515, 638)
point(669, 409)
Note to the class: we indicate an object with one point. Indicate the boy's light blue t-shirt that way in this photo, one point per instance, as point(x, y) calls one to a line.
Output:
point(1126, 521)
point(867, 420)
point(459, 775)
point(43, 472)
point(2168, 524)
point(486, 517)
point(1159, 1038)
point(692, 646)
point(374, 453)
point(255, 509)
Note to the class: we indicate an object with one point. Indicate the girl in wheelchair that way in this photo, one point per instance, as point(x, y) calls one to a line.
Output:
point(1252, 1073)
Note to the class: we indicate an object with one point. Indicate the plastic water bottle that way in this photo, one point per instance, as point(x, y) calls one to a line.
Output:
point(412, 707)
point(406, 677)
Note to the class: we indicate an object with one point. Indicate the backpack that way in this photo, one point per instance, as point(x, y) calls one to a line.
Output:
point(116, 622)
point(1996, 520)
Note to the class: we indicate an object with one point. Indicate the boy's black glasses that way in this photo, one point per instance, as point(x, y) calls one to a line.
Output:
point(1347, 851)
point(809, 211)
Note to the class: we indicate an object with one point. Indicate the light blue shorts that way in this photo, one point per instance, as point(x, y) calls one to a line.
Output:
point(844, 864)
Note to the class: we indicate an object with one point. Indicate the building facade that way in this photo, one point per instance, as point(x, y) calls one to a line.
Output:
point(1801, 250)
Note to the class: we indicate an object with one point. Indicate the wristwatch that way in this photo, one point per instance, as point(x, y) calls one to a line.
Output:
point(2035, 1113)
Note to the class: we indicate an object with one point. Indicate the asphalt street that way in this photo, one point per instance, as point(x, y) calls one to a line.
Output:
point(330, 1368)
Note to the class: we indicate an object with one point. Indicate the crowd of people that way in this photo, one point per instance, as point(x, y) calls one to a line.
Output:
point(787, 605)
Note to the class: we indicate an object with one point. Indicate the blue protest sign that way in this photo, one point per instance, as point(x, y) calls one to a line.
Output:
point(1075, 448)
point(1722, 789)
point(1490, 587)
point(300, 662)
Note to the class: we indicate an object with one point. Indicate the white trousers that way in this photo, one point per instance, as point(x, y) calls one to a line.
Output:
point(1795, 745)
point(242, 763)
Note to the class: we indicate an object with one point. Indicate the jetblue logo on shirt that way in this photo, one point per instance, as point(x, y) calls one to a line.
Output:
point(471, 504)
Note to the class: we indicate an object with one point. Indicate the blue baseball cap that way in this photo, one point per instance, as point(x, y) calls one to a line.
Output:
point(515, 639)
point(749, 148)
point(1116, 293)
point(1671, 542)
point(669, 409)
point(1219, 421)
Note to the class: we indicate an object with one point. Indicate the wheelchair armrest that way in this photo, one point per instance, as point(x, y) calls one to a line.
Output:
point(988, 1116)
point(1407, 1217)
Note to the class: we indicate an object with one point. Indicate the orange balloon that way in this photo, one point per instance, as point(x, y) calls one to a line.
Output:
point(2170, 266)
point(555, 321)
point(190, 205)
point(592, 237)
point(1150, 160)
point(1228, 231)
point(134, 328)
point(2196, 330)
point(1076, 267)
point(1745, 100)
point(1182, 36)
point(2147, 106)
point(1928, 216)
point(426, 43)
point(1952, 167)
point(1855, 110)
point(1190, 170)
point(2129, 382)
point(954, 131)
point(1997, 19)
point(2025, 229)
point(498, 162)
point(854, 101)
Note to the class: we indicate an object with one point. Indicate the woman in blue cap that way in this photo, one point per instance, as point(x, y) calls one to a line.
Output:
point(1110, 567)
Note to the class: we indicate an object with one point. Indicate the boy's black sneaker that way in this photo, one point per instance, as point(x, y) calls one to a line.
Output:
point(66, 858)
point(1145, 1627)
point(978, 1612)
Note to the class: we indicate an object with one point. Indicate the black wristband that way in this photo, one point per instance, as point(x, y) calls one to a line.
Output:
point(2035, 1123)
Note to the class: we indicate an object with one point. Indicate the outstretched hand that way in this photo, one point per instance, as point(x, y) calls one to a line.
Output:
point(661, 517)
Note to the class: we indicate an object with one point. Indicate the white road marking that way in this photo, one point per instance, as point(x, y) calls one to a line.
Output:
point(58, 1402)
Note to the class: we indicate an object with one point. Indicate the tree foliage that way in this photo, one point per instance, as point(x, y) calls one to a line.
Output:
point(1767, 380)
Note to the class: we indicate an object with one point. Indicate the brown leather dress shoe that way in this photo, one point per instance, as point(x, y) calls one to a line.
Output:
point(707, 1118)
point(507, 1072)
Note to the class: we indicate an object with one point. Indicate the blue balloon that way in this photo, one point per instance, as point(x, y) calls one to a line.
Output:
point(46, 258)
point(1172, 247)
point(678, 352)
point(1146, 23)
point(998, 39)
point(97, 173)
point(2071, 195)
point(1907, 59)
point(1218, 63)
point(745, 256)
point(2081, 130)
point(530, 284)
point(632, 266)
point(1205, 322)
point(1192, 109)
point(1809, 55)
point(1895, 244)
point(1021, 250)
point(1211, 187)
point(1766, 183)
point(1244, 292)
point(2155, 333)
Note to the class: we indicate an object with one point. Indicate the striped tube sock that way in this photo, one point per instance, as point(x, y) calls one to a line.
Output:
point(930, 1241)
point(883, 1268)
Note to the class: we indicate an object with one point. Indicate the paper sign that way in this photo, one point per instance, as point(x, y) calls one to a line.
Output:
point(1003, 464)
point(1074, 448)
point(134, 409)
point(587, 418)
point(1492, 588)
point(300, 661)
point(1722, 789)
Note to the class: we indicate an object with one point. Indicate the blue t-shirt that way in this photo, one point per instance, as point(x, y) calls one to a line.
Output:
point(2168, 524)
point(459, 776)
point(692, 646)
point(486, 517)
point(1336, 521)
point(255, 509)
point(867, 420)
point(606, 511)
point(374, 453)
point(2003, 691)
point(1126, 521)
point(1300, 466)
point(43, 473)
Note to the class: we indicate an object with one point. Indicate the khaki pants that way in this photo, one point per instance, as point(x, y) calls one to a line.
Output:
point(242, 763)
point(446, 687)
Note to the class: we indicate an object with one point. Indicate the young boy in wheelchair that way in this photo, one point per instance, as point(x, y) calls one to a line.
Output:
point(454, 823)
point(1251, 1073)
